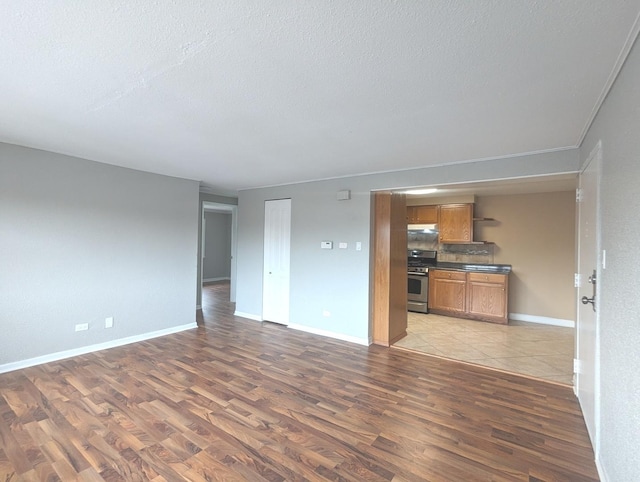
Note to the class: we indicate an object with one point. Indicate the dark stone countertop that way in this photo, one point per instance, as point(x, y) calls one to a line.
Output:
point(471, 267)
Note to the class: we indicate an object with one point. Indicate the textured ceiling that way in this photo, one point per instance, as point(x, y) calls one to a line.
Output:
point(239, 93)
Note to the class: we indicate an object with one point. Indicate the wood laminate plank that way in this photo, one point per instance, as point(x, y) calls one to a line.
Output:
point(239, 400)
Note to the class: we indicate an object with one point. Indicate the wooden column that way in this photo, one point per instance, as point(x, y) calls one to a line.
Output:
point(389, 268)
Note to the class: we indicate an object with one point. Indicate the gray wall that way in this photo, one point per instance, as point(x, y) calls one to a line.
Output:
point(618, 126)
point(81, 241)
point(217, 253)
point(338, 280)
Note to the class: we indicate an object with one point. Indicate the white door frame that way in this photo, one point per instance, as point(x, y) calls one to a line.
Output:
point(592, 417)
point(233, 210)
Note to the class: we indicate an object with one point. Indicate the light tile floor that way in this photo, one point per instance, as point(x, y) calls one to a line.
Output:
point(531, 349)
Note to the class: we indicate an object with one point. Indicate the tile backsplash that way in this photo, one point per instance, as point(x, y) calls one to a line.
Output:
point(466, 253)
point(452, 253)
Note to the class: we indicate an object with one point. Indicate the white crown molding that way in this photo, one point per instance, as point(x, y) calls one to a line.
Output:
point(416, 168)
point(615, 71)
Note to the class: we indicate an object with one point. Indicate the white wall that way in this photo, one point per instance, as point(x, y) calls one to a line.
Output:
point(618, 126)
point(81, 241)
point(217, 253)
point(338, 280)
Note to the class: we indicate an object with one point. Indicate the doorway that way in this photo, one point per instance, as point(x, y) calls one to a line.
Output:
point(222, 250)
point(539, 243)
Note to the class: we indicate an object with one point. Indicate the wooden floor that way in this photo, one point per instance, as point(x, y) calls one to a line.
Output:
point(239, 400)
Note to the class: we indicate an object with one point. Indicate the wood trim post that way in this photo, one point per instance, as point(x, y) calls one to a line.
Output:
point(389, 268)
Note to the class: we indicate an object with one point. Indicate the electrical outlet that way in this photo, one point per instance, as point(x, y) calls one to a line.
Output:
point(108, 322)
point(82, 326)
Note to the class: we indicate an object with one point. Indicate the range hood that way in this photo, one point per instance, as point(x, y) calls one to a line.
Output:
point(423, 228)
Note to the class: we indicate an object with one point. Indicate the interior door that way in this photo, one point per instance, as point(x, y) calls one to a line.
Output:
point(277, 246)
point(587, 334)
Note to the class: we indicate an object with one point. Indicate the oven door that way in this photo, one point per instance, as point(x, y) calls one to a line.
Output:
point(418, 292)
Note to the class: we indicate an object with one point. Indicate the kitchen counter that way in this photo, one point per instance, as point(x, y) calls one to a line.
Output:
point(471, 267)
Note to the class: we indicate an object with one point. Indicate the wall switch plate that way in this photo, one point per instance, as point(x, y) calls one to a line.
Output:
point(344, 195)
point(82, 326)
point(358, 246)
point(326, 313)
point(326, 244)
point(343, 245)
point(108, 322)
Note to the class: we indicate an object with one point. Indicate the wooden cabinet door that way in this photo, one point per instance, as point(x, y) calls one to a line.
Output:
point(455, 223)
point(412, 214)
point(487, 296)
point(422, 214)
point(426, 214)
point(447, 291)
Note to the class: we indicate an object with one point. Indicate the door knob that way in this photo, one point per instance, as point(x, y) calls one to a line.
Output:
point(586, 300)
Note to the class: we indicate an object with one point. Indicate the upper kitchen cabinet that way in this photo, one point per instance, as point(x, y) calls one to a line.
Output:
point(455, 223)
point(422, 214)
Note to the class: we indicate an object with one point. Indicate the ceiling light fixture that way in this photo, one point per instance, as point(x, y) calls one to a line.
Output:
point(421, 191)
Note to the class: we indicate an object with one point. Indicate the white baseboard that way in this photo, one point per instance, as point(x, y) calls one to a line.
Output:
point(248, 315)
point(331, 334)
point(601, 472)
point(208, 280)
point(543, 320)
point(61, 355)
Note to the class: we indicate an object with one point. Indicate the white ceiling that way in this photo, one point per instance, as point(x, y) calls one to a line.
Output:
point(240, 94)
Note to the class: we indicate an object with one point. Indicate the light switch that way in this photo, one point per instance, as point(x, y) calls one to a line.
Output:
point(326, 244)
point(343, 245)
point(358, 246)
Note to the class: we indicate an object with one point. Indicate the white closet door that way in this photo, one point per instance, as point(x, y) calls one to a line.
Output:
point(588, 330)
point(277, 246)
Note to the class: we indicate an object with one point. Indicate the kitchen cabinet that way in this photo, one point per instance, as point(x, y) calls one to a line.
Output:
point(473, 295)
point(487, 296)
point(447, 292)
point(422, 214)
point(455, 223)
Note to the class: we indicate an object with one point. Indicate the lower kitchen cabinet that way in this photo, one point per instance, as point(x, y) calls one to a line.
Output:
point(487, 296)
point(477, 296)
point(447, 291)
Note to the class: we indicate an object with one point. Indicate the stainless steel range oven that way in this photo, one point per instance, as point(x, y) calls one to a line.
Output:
point(418, 263)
